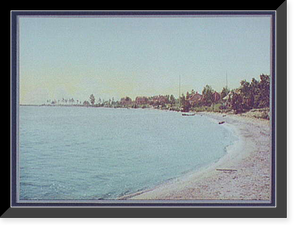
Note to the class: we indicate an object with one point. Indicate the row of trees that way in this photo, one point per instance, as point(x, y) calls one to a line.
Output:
point(208, 97)
point(63, 101)
point(91, 101)
point(254, 94)
point(251, 95)
point(100, 102)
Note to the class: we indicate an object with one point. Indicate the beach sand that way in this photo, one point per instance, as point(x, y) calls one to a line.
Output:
point(244, 173)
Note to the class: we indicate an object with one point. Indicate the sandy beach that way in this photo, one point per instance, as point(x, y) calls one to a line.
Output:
point(244, 173)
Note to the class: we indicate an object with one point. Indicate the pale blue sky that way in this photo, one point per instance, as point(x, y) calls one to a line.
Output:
point(134, 56)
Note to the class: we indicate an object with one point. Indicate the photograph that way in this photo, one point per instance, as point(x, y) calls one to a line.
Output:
point(137, 109)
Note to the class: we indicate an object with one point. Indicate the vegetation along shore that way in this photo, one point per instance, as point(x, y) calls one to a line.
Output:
point(250, 98)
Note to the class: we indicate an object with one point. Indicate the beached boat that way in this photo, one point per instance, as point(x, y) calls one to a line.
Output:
point(188, 114)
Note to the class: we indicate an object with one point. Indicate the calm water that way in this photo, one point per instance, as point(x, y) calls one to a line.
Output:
point(101, 153)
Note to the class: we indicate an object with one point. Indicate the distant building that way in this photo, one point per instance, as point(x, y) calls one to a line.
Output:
point(228, 97)
point(195, 99)
point(126, 101)
point(159, 100)
point(216, 96)
point(140, 100)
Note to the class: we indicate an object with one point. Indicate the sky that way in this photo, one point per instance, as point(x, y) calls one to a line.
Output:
point(74, 57)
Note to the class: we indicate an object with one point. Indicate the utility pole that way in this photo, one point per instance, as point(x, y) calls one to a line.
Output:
point(226, 81)
point(179, 92)
point(179, 84)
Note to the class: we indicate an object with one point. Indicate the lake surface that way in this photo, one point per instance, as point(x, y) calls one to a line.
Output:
point(79, 153)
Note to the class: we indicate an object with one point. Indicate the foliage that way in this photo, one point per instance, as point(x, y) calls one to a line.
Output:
point(225, 91)
point(207, 93)
point(92, 99)
point(236, 103)
point(264, 91)
point(86, 103)
point(172, 100)
point(251, 95)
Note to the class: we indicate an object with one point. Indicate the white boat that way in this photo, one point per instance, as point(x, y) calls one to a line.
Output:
point(188, 114)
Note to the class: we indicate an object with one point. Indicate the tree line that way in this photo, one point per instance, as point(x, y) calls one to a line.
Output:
point(255, 94)
point(249, 95)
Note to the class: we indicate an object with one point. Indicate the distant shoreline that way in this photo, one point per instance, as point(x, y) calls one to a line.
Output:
point(263, 113)
point(49, 105)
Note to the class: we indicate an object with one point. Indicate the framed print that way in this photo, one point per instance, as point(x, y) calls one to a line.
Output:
point(139, 110)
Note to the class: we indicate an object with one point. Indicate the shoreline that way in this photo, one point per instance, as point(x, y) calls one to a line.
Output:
point(243, 174)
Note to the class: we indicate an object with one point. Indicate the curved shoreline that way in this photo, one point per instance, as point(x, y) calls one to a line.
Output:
point(244, 173)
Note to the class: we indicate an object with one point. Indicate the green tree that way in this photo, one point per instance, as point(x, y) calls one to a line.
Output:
point(188, 95)
point(245, 88)
point(185, 104)
point(225, 91)
point(264, 87)
point(255, 92)
point(86, 103)
point(92, 99)
point(172, 100)
point(182, 100)
point(236, 102)
point(246, 94)
point(207, 93)
point(167, 98)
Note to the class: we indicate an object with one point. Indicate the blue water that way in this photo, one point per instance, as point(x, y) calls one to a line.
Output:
point(102, 153)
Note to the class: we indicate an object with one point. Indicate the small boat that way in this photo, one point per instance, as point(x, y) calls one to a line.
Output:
point(221, 122)
point(188, 114)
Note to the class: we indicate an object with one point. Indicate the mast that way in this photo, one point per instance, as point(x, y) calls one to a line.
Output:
point(179, 92)
point(226, 81)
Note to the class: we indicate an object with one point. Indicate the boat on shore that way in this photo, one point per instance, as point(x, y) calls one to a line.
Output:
point(188, 114)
